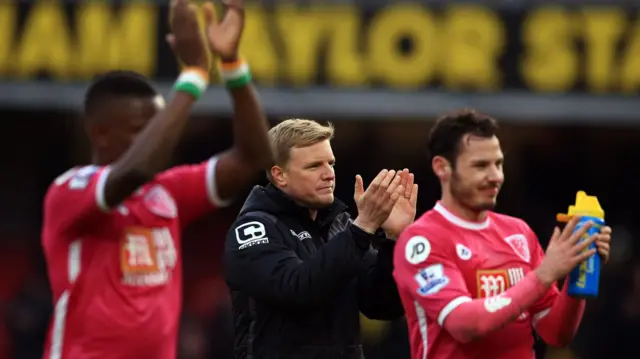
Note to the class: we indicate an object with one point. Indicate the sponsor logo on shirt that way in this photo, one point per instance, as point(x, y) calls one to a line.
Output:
point(250, 234)
point(493, 283)
point(431, 280)
point(464, 253)
point(417, 250)
point(494, 304)
point(520, 246)
point(147, 256)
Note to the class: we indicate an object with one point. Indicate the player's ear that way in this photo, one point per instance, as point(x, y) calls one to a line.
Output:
point(441, 167)
point(278, 175)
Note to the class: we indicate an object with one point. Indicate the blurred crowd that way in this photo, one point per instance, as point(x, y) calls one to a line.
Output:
point(545, 166)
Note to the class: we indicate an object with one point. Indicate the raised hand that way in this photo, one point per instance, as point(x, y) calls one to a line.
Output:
point(404, 211)
point(186, 40)
point(224, 36)
point(603, 243)
point(565, 252)
point(375, 204)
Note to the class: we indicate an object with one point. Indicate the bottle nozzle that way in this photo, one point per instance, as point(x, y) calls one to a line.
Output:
point(585, 205)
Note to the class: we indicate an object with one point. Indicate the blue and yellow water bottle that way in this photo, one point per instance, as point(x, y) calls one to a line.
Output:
point(585, 278)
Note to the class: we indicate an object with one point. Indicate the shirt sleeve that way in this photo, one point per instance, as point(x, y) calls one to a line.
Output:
point(378, 296)
point(423, 267)
point(194, 189)
point(542, 306)
point(75, 200)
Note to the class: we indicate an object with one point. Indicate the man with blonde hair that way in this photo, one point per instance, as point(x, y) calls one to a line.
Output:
point(299, 269)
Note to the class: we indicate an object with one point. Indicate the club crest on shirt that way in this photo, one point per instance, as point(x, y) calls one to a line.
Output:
point(520, 245)
point(160, 202)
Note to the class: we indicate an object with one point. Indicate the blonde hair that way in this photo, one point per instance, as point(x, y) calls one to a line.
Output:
point(296, 133)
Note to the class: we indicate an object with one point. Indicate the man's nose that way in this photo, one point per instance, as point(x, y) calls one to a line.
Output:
point(329, 174)
point(496, 175)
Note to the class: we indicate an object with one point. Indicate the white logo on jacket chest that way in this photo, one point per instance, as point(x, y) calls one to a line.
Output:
point(302, 235)
point(250, 234)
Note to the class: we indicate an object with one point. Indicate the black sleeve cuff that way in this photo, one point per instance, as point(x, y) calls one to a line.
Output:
point(363, 239)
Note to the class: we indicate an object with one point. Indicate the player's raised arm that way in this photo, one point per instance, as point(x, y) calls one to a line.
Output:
point(557, 316)
point(132, 133)
point(238, 167)
point(422, 268)
point(151, 150)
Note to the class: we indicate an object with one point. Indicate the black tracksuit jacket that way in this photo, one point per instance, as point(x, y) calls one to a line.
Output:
point(298, 285)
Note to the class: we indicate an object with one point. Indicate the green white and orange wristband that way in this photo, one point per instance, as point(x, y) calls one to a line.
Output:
point(235, 74)
point(192, 81)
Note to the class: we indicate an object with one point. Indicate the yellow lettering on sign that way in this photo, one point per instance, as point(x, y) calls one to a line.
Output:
point(344, 64)
point(550, 62)
point(602, 31)
point(46, 42)
point(302, 32)
point(629, 67)
point(8, 15)
point(101, 41)
point(474, 39)
point(257, 47)
point(386, 60)
point(125, 42)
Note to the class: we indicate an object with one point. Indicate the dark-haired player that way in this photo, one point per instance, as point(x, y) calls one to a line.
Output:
point(111, 231)
point(474, 282)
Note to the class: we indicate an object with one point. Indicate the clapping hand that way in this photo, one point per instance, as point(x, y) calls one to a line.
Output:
point(404, 211)
point(566, 251)
point(186, 39)
point(376, 203)
point(603, 243)
point(224, 36)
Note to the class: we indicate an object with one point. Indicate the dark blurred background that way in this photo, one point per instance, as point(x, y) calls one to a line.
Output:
point(561, 79)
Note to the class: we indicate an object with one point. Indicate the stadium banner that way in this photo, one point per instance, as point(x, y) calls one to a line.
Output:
point(456, 47)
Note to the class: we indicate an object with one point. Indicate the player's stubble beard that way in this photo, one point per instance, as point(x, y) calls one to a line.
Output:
point(464, 194)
